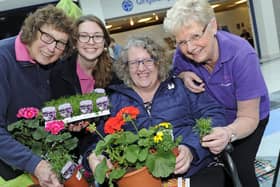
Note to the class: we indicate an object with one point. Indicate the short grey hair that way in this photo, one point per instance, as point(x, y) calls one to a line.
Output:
point(185, 11)
point(156, 52)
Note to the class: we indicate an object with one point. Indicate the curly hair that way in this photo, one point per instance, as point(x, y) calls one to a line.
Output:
point(102, 73)
point(156, 52)
point(48, 15)
point(185, 11)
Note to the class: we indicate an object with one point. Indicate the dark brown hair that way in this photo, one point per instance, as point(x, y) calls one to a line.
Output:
point(102, 73)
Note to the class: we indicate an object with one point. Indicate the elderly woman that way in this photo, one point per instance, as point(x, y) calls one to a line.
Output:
point(25, 63)
point(144, 70)
point(227, 67)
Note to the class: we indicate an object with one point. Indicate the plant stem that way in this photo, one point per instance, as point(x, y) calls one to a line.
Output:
point(99, 134)
point(134, 125)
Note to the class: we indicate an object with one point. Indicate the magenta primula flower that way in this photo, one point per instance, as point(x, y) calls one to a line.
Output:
point(54, 126)
point(28, 113)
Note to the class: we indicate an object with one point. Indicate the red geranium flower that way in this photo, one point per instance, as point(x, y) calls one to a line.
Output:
point(113, 124)
point(129, 111)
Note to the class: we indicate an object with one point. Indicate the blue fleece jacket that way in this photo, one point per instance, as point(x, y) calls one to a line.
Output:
point(22, 84)
point(173, 103)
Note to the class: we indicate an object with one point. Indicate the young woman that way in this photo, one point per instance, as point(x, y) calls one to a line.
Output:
point(89, 67)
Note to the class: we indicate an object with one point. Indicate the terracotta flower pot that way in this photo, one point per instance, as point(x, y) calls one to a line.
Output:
point(76, 180)
point(34, 180)
point(138, 178)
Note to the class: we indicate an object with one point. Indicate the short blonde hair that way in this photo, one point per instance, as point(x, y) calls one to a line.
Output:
point(156, 52)
point(185, 11)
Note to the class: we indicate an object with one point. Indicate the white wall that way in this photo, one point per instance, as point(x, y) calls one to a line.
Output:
point(233, 17)
point(267, 31)
point(229, 18)
point(156, 32)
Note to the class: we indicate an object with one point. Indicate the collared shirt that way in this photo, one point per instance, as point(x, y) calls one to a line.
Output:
point(22, 53)
point(86, 82)
point(236, 76)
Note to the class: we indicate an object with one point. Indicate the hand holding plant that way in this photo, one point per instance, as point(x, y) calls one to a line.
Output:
point(50, 140)
point(152, 147)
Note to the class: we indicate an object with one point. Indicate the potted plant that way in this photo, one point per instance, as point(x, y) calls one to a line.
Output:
point(50, 140)
point(152, 148)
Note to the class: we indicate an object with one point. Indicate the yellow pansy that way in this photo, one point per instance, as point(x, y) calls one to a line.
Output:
point(165, 125)
point(158, 137)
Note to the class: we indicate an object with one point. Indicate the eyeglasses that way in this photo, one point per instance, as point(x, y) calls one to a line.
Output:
point(148, 62)
point(193, 38)
point(85, 38)
point(49, 39)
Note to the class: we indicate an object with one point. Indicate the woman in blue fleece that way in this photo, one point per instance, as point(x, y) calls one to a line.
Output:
point(25, 63)
point(144, 70)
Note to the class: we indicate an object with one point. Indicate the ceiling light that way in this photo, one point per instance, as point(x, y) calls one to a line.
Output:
point(215, 6)
point(109, 26)
point(156, 17)
point(239, 2)
point(131, 22)
point(115, 28)
point(144, 20)
point(232, 5)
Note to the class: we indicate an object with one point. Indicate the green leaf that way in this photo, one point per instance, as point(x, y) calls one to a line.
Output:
point(131, 153)
point(36, 148)
point(203, 126)
point(117, 173)
point(100, 172)
point(14, 126)
point(146, 133)
point(101, 145)
point(161, 164)
point(71, 144)
point(39, 134)
point(126, 138)
point(143, 154)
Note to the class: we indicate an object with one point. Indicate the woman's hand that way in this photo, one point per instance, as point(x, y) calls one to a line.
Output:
point(192, 81)
point(217, 140)
point(245, 124)
point(183, 160)
point(94, 160)
point(45, 175)
point(77, 127)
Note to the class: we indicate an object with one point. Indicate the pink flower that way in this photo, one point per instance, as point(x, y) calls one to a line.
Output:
point(54, 126)
point(87, 174)
point(28, 113)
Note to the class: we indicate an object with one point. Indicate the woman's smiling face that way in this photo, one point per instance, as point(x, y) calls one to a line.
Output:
point(93, 47)
point(142, 68)
point(198, 42)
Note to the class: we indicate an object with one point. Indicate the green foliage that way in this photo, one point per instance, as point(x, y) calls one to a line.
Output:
point(203, 127)
point(58, 159)
point(127, 150)
point(54, 148)
point(70, 8)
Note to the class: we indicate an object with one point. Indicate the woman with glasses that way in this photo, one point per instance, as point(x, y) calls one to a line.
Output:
point(145, 72)
point(25, 63)
point(228, 68)
point(89, 67)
